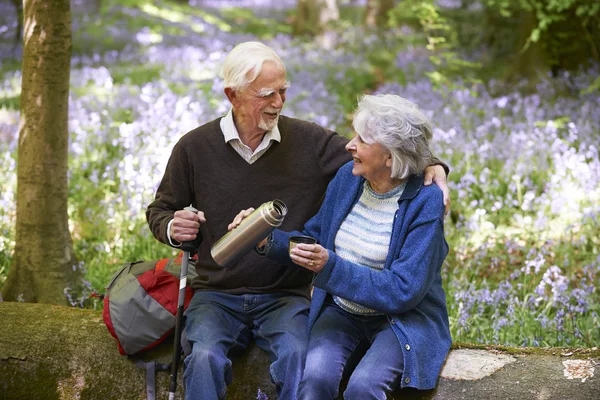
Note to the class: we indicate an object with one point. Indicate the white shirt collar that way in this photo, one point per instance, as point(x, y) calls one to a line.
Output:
point(230, 132)
point(232, 137)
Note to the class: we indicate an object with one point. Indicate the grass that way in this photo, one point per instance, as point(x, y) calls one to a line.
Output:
point(135, 75)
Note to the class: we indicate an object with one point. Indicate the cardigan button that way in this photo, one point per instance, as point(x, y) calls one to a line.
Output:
point(407, 380)
point(407, 347)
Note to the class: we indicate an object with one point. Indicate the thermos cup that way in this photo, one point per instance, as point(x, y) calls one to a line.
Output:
point(296, 240)
point(254, 228)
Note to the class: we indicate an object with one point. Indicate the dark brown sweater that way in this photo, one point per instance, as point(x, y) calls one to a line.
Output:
point(208, 173)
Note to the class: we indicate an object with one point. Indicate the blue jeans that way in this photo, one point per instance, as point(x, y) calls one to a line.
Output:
point(219, 322)
point(335, 337)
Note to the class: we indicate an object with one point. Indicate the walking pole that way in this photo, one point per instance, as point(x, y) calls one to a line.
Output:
point(189, 248)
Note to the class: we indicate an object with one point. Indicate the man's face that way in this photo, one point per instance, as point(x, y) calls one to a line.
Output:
point(257, 107)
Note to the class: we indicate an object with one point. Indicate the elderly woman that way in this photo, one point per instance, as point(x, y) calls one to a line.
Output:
point(378, 283)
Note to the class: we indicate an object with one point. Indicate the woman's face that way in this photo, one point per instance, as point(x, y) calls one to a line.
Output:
point(371, 161)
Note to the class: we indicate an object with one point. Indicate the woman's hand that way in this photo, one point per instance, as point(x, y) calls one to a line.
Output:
point(310, 256)
point(238, 220)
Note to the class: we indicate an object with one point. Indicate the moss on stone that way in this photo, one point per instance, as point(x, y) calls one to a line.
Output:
point(546, 351)
point(53, 352)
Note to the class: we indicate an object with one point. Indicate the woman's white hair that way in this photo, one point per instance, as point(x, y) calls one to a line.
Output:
point(244, 63)
point(400, 127)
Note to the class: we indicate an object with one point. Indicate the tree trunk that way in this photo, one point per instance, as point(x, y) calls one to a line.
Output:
point(312, 16)
point(531, 62)
point(376, 13)
point(43, 264)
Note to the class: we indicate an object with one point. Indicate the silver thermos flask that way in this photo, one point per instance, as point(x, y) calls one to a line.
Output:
point(254, 228)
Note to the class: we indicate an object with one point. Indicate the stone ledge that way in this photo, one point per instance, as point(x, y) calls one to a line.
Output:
point(52, 352)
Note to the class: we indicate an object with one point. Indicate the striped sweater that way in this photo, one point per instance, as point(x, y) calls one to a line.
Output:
point(364, 237)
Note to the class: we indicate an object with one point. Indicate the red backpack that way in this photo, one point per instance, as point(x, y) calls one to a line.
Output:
point(140, 304)
point(140, 309)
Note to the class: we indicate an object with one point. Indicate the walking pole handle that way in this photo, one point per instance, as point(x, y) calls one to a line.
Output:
point(191, 246)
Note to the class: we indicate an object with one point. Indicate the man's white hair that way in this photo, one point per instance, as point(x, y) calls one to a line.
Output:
point(244, 63)
point(400, 127)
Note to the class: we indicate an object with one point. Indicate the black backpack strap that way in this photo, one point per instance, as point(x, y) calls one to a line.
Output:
point(151, 367)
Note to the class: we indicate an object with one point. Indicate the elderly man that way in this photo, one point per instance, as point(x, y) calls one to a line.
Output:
point(252, 155)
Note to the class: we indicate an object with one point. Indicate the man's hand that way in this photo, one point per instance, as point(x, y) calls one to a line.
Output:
point(238, 220)
point(185, 225)
point(437, 174)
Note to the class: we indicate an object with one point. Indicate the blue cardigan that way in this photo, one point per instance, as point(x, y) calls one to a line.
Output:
point(409, 288)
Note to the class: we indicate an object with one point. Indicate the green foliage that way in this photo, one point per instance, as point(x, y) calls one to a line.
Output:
point(356, 81)
point(244, 20)
point(365, 78)
point(11, 102)
point(496, 267)
point(502, 38)
point(92, 39)
point(103, 261)
point(567, 31)
point(441, 41)
point(5, 261)
point(350, 15)
point(135, 74)
point(9, 65)
point(550, 12)
point(594, 87)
